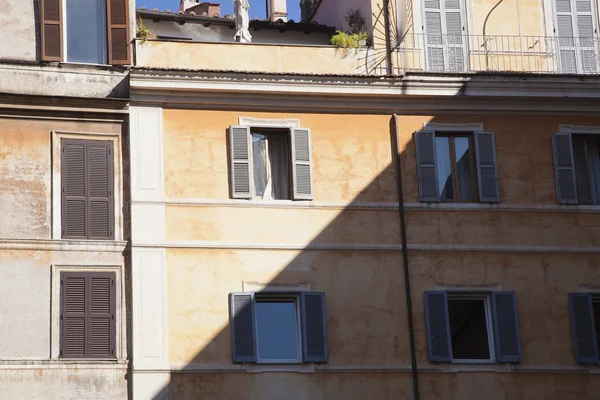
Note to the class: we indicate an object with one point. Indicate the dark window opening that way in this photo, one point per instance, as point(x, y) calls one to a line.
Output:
point(468, 328)
point(271, 156)
point(277, 329)
point(456, 168)
point(596, 310)
point(586, 152)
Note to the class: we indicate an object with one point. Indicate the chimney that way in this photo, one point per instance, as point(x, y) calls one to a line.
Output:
point(211, 9)
point(277, 9)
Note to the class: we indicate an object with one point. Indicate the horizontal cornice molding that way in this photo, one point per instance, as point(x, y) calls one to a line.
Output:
point(411, 93)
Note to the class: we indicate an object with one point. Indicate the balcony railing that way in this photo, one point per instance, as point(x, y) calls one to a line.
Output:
point(479, 53)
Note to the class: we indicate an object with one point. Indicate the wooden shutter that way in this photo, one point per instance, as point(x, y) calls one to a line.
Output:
point(302, 164)
point(426, 165)
point(564, 168)
point(506, 324)
point(586, 32)
point(118, 32)
point(438, 328)
point(88, 305)
point(87, 189)
point(243, 327)
point(241, 170)
point(434, 36)
point(314, 329)
point(454, 39)
point(487, 174)
point(584, 329)
point(566, 37)
point(51, 30)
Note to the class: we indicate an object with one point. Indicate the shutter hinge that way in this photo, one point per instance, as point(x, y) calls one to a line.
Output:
point(61, 281)
point(61, 353)
point(61, 317)
point(112, 317)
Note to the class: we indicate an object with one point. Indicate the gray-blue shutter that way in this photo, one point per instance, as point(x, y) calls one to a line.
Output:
point(240, 168)
point(314, 329)
point(302, 164)
point(487, 172)
point(426, 166)
point(506, 327)
point(243, 327)
point(438, 327)
point(564, 168)
point(583, 326)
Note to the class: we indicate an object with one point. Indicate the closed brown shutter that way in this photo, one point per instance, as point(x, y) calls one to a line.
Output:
point(88, 305)
point(51, 30)
point(87, 189)
point(118, 32)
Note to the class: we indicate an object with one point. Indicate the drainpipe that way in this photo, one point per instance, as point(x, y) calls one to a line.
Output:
point(411, 328)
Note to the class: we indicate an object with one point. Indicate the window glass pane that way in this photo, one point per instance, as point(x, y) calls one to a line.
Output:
point(581, 173)
point(279, 158)
point(86, 31)
point(259, 163)
point(444, 168)
point(594, 169)
point(463, 169)
point(277, 330)
point(468, 329)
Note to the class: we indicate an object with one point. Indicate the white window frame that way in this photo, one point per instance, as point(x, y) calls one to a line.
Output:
point(486, 297)
point(64, 32)
point(295, 297)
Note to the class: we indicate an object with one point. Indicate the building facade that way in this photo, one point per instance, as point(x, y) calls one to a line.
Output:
point(273, 187)
point(63, 126)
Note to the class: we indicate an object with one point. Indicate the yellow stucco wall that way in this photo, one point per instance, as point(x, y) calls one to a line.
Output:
point(365, 289)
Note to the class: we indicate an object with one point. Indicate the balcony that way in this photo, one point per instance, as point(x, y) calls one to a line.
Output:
point(417, 52)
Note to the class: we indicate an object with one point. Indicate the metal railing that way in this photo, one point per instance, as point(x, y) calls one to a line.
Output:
point(497, 53)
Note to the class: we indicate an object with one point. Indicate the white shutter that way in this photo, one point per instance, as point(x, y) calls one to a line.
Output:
point(575, 28)
point(302, 164)
point(585, 33)
point(434, 39)
point(240, 168)
point(444, 36)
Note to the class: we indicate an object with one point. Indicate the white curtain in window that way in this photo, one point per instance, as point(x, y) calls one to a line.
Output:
point(259, 163)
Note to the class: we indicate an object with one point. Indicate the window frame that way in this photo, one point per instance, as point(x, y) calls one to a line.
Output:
point(472, 165)
point(585, 138)
point(267, 131)
point(487, 298)
point(65, 35)
point(295, 297)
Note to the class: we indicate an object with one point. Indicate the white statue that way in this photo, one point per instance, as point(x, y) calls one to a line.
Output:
point(242, 21)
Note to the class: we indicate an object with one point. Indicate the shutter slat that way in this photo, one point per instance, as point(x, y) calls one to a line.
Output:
point(118, 32)
point(583, 328)
point(243, 327)
point(508, 343)
point(302, 164)
point(240, 171)
point(438, 328)
point(566, 189)
point(427, 170)
point(51, 30)
point(487, 175)
point(314, 329)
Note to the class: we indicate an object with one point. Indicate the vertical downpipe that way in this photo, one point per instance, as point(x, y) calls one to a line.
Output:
point(409, 313)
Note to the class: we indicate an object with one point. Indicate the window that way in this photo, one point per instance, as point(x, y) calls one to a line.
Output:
point(577, 168)
point(270, 163)
point(87, 315)
point(446, 45)
point(472, 327)
point(87, 201)
point(278, 328)
point(576, 29)
point(585, 323)
point(86, 31)
point(457, 167)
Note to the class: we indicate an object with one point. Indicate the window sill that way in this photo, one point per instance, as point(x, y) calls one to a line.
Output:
point(475, 367)
point(300, 368)
point(8, 364)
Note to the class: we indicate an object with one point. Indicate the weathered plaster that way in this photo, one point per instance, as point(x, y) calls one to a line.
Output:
point(18, 28)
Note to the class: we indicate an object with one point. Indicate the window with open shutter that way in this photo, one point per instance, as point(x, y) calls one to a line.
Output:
point(87, 189)
point(583, 324)
point(438, 328)
point(302, 164)
point(87, 315)
point(444, 36)
point(314, 331)
point(564, 168)
point(487, 174)
point(506, 322)
point(87, 31)
point(427, 170)
point(576, 28)
point(243, 327)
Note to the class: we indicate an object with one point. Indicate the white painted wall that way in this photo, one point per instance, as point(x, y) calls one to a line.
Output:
point(18, 29)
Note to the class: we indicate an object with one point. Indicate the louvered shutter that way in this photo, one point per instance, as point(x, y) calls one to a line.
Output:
point(302, 164)
point(314, 330)
point(51, 30)
point(566, 37)
point(564, 169)
point(583, 327)
point(434, 35)
point(100, 183)
point(586, 32)
point(506, 324)
point(118, 32)
point(74, 196)
point(438, 328)
point(487, 172)
point(241, 170)
point(426, 165)
point(88, 306)
point(454, 38)
point(243, 327)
